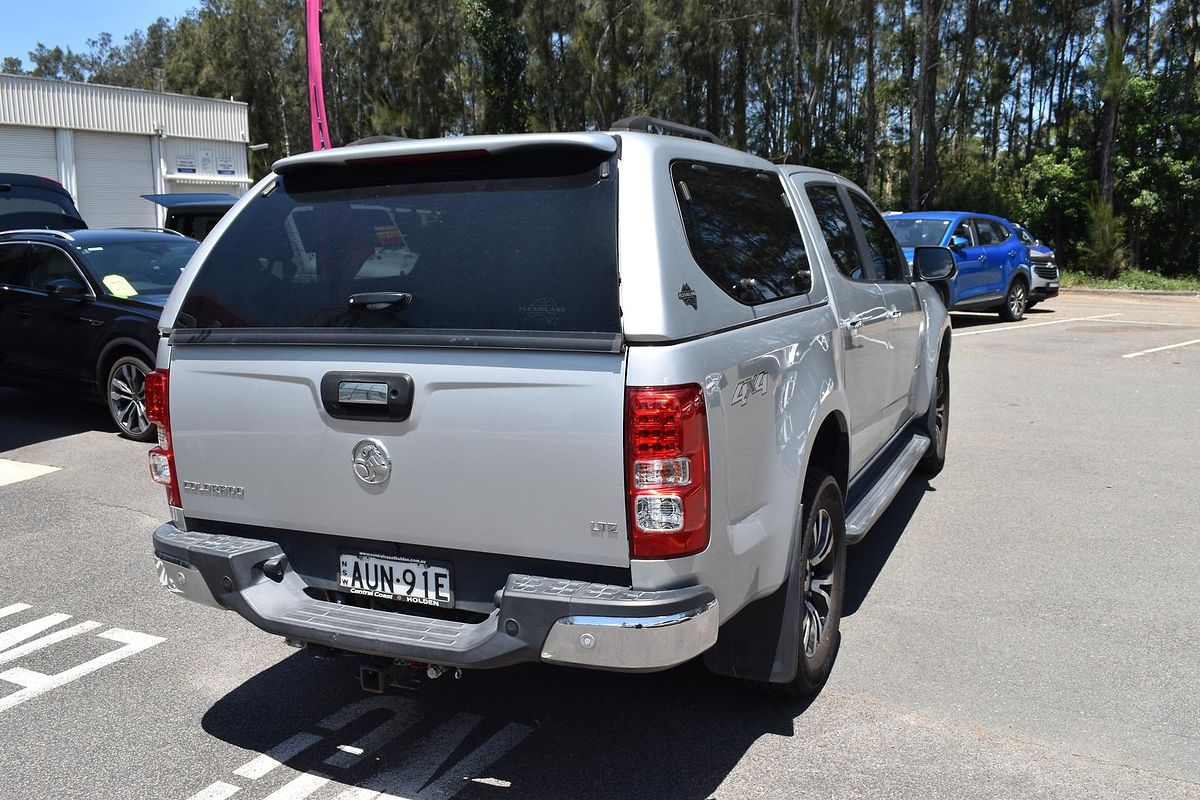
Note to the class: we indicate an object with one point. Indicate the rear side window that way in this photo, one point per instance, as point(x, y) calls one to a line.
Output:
point(525, 243)
point(990, 232)
point(835, 227)
point(48, 263)
point(888, 259)
point(742, 231)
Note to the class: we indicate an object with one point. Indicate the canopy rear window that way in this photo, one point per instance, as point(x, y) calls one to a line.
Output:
point(519, 243)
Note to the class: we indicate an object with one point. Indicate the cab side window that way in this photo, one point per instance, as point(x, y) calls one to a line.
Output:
point(835, 228)
point(47, 264)
point(963, 231)
point(12, 264)
point(885, 253)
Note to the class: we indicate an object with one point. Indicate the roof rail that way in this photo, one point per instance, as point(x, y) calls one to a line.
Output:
point(42, 231)
point(664, 127)
point(140, 228)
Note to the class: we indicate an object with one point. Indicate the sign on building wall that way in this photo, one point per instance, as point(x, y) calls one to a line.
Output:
point(185, 164)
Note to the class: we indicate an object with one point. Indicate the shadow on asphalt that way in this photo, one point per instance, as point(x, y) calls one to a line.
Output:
point(865, 560)
point(973, 319)
point(587, 734)
point(30, 417)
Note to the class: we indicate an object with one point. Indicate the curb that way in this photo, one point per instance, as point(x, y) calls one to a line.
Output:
point(1132, 292)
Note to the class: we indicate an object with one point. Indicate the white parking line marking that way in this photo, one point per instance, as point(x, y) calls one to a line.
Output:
point(47, 640)
point(1159, 349)
point(406, 779)
point(15, 608)
point(22, 632)
point(454, 779)
point(17, 471)
point(1036, 325)
point(218, 791)
point(415, 775)
point(35, 684)
point(348, 755)
point(357, 793)
point(289, 748)
point(1155, 322)
point(300, 787)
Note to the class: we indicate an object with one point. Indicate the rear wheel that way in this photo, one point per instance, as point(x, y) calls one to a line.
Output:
point(937, 422)
point(126, 393)
point(1015, 302)
point(824, 574)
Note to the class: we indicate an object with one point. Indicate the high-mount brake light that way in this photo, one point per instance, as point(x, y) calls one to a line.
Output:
point(158, 411)
point(408, 158)
point(666, 475)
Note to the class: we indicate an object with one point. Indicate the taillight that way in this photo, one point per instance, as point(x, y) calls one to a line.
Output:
point(158, 411)
point(666, 475)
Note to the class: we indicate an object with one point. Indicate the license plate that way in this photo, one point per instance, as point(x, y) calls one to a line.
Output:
point(395, 578)
point(1054, 285)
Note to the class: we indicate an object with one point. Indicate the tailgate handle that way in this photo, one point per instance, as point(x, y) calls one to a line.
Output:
point(367, 396)
point(375, 394)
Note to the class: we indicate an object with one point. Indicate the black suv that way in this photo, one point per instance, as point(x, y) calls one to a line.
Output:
point(79, 309)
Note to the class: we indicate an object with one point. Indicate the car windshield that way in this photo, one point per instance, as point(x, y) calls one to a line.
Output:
point(141, 267)
point(916, 232)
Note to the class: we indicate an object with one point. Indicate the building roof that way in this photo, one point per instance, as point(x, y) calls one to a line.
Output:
point(49, 103)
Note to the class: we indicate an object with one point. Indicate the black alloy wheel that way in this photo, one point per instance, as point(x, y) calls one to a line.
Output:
point(126, 394)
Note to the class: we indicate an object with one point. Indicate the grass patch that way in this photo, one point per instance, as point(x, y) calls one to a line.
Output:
point(1130, 279)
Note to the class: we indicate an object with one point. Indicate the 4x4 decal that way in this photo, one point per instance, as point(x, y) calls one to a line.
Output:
point(755, 384)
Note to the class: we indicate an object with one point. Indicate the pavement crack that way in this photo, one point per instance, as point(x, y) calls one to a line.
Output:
point(120, 507)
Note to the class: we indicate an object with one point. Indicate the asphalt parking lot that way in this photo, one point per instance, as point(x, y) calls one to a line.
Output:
point(1025, 625)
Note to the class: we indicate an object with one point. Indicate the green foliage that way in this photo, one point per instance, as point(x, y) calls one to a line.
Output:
point(1104, 254)
point(1028, 98)
point(1137, 279)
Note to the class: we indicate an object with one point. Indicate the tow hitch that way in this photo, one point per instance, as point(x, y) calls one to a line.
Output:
point(378, 678)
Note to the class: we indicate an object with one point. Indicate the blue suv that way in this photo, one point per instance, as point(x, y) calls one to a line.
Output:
point(994, 273)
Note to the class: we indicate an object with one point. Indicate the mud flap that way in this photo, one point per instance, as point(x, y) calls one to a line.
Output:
point(762, 641)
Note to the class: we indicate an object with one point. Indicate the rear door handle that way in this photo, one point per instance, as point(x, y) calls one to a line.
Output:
point(894, 313)
point(23, 314)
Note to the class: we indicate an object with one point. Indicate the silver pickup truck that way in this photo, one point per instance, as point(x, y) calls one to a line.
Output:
point(611, 400)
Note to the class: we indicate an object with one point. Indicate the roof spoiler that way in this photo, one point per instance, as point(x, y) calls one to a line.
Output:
point(449, 147)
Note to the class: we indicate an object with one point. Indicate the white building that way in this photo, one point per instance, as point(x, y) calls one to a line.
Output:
point(109, 146)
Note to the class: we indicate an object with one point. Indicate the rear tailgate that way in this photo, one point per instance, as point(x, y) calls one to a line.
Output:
point(502, 318)
point(504, 451)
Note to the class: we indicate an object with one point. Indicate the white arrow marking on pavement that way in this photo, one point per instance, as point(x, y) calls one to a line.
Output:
point(36, 683)
point(47, 640)
point(22, 632)
point(287, 749)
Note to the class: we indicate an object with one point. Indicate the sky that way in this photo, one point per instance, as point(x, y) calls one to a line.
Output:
point(73, 22)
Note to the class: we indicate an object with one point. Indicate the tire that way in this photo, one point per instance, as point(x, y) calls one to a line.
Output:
point(824, 550)
point(125, 396)
point(1015, 301)
point(937, 421)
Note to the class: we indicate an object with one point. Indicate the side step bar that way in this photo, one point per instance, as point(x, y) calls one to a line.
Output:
point(870, 508)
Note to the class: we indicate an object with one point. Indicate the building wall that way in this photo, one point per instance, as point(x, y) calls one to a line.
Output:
point(110, 145)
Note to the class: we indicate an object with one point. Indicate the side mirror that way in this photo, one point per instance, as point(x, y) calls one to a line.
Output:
point(934, 263)
point(65, 287)
point(959, 242)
